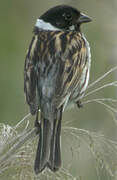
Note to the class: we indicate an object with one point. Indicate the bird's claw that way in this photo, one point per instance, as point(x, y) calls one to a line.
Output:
point(79, 104)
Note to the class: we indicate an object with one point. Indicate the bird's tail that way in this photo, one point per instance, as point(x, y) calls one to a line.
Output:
point(48, 150)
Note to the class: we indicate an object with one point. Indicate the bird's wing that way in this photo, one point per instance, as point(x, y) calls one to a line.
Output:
point(74, 58)
point(30, 77)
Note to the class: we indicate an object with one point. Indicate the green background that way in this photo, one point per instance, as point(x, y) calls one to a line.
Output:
point(17, 19)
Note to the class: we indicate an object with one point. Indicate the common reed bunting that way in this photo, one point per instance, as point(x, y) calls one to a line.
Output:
point(56, 73)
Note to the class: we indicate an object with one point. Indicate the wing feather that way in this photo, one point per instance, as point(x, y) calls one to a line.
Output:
point(30, 77)
point(75, 59)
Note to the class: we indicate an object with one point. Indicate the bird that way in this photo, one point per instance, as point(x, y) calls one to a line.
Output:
point(56, 74)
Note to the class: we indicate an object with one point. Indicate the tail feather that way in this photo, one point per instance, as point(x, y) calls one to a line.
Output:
point(48, 150)
point(43, 149)
point(55, 151)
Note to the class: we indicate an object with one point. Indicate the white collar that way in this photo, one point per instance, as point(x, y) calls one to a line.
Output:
point(45, 25)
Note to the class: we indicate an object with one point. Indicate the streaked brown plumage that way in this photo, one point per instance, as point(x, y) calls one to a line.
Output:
point(56, 73)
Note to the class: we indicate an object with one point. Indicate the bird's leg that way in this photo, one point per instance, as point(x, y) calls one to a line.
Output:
point(37, 124)
point(79, 104)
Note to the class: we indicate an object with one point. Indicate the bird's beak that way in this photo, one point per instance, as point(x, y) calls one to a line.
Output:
point(84, 18)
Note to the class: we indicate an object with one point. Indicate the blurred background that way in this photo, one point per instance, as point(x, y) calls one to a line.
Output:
point(17, 19)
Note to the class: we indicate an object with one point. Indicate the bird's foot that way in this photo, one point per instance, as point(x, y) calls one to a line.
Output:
point(79, 104)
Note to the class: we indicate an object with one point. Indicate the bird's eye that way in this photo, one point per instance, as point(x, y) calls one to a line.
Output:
point(67, 16)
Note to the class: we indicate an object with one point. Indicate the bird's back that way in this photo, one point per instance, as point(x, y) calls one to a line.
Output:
point(59, 58)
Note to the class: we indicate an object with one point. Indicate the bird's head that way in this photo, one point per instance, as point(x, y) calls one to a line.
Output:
point(62, 17)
